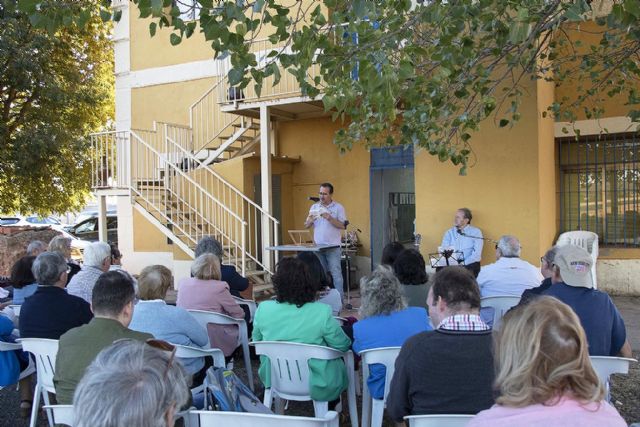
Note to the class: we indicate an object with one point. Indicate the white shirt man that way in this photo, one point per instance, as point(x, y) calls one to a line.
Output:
point(509, 275)
point(328, 217)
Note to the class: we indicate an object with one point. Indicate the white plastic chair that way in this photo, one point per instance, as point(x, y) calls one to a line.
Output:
point(62, 414)
point(586, 240)
point(607, 365)
point(16, 309)
point(290, 374)
point(207, 317)
point(10, 346)
point(242, 419)
point(500, 304)
point(444, 420)
point(251, 304)
point(45, 352)
point(373, 409)
point(188, 352)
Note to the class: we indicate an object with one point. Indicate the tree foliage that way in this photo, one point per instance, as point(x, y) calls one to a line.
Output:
point(54, 90)
point(427, 73)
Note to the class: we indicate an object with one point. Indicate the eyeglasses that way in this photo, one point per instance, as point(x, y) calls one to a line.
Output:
point(542, 259)
point(323, 194)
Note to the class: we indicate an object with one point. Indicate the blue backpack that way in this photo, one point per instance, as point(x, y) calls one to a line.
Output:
point(224, 391)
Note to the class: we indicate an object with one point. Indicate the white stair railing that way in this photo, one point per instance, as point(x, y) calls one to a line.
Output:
point(227, 194)
point(109, 160)
point(208, 121)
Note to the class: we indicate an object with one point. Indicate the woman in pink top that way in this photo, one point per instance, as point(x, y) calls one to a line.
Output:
point(205, 291)
point(544, 376)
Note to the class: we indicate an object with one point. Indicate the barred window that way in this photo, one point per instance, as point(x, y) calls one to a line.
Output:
point(599, 187)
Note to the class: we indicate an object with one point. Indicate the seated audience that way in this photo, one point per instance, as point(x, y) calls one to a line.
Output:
point(166, 322)
point(390, 252)
point(544, 375)
point(601, 320)
point(205, 291)
point(509, 275)
point(62, 245)
point(327, 294)
point(130, 383)
point(112, 304)
point(448, 370)
point(409, 268)
point(50, 311)
point(22, 279)
point(228, 273)
point(35, 248)
point(13, 365)
point(296, 316)
point(546, 268)
point(386, 321)
point(97, 260)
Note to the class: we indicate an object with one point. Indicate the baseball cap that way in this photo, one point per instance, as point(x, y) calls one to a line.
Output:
point(575, 266)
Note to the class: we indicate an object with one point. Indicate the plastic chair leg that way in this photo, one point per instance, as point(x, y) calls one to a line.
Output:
point(247, 363)
point(320, 408)
point(36, 404)
point(377, 413)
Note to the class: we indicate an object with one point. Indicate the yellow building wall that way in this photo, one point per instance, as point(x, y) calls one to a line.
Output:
point(321, 161)
point(503, 188)
point(589, 33)
point(166, 103)
point(146, 237)
point(548, 221)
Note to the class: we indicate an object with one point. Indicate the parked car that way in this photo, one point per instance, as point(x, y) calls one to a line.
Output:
point(88, 229)
point(32, 221)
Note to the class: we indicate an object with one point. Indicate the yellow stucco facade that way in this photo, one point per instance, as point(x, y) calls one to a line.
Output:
point(511, 186)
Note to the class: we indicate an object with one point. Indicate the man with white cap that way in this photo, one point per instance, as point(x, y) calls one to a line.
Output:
point(573, 285)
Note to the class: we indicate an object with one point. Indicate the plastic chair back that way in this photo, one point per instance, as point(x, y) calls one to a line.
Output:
point(206, 317)
point(500, 304)
point(444, 420)
point(241, 419)
point(45, 352)
point(586, 240)
point(62, 414)
point(373, 409)
point(251, 305)
point(290, 373)
point(606, 365)
point(16, 309)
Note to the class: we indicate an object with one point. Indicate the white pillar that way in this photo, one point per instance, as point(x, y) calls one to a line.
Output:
point(265, 182)
point(102, 218)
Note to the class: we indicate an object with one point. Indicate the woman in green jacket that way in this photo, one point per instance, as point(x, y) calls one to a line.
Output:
point(295, 317)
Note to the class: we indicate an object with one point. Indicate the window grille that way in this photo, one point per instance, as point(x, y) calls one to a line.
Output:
point(599, 187)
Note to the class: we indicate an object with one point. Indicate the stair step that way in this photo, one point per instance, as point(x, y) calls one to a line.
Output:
point(229, 148)
point(240, 138)
point(255, 126)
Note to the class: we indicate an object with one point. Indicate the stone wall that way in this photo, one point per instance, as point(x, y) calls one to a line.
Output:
point(619, 276)
point(14, 241)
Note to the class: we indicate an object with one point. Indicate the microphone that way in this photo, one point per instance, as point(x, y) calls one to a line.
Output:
point(462, 233)
point(314, 199)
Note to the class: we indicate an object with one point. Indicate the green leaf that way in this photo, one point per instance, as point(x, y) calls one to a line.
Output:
point(503, 123)
point(152, 28)
point(175, 39)
point(105, 15)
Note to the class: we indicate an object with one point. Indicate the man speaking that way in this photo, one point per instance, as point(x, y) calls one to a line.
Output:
point(328, 217)
point(465, 238)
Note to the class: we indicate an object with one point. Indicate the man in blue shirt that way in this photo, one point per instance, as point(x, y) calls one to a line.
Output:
point(573, 285)
point(465, 238)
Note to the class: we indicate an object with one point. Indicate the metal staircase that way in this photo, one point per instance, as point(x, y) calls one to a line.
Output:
point(172, 185)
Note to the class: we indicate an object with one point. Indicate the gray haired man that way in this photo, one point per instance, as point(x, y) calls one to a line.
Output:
point(97, 260)
point(509, 275)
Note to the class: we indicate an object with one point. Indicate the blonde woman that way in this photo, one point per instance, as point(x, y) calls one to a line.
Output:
point(544, 375)
point(205, 291)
